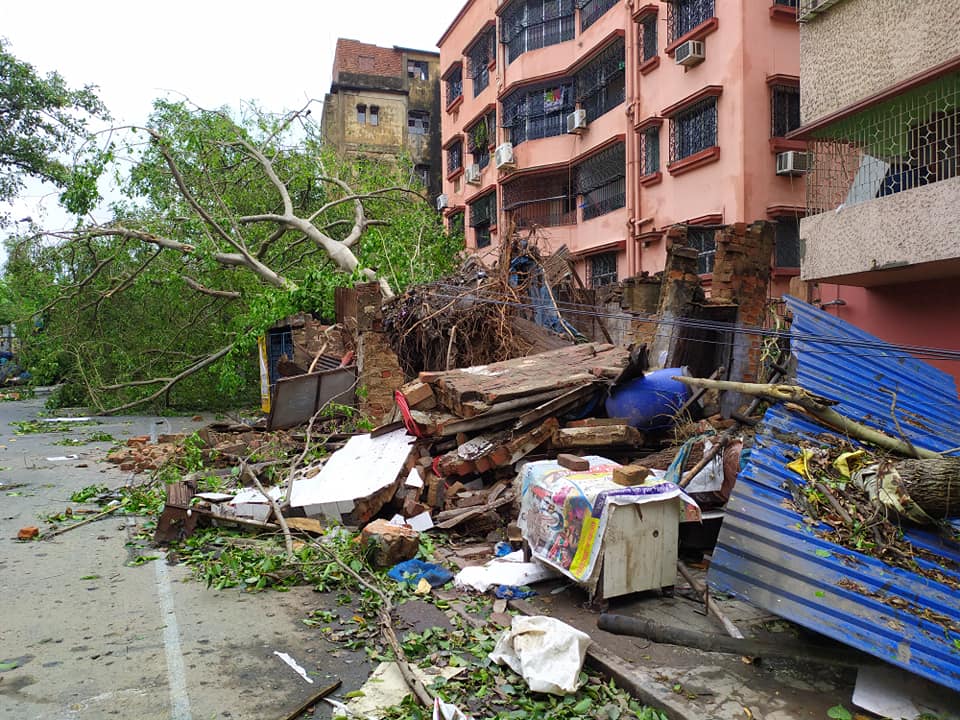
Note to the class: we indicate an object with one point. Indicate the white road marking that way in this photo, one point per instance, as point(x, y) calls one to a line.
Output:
point(176, 675)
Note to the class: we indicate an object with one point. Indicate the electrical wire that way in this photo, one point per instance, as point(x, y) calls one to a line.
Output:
point(882, 348)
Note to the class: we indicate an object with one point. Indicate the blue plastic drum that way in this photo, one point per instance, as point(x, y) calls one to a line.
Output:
point(649, 402)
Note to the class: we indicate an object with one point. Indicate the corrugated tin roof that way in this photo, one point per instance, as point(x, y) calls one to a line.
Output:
point(767, 555)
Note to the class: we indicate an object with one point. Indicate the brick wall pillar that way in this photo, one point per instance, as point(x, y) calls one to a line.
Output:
point(679, 290)
point(378, 370)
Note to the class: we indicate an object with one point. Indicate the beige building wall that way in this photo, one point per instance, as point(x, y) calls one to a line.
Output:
point(858, 48)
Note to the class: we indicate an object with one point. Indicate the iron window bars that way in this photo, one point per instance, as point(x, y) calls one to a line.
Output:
point(903, 143)
point(601, 180)
point(531, 24)
point(693, 129)
point(418, 122)
point(650, 151)
point(483, 214)
point(537, 113)
point(784, 109)
point(454, 85)
point(593, 10)
point(704, 241)
point(545, 201)
point(601, 85)
point(480, 136)
point(648, 38)
point(455, 157)
point(787, 239)
point(481, 54)
point(602, 270)
point(684, 15)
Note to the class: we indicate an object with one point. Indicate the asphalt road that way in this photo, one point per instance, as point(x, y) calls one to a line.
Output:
point(94, 637)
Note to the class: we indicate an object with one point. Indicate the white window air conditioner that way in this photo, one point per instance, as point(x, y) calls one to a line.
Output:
point(577, 121)
point(473, 174)
point(793, 162)
point(503, 156)
point(809, 9)
point(690, 53)
point(442, 202)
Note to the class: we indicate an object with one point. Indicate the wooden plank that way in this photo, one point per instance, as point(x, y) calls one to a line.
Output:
point(553, 407)
point(640, 547)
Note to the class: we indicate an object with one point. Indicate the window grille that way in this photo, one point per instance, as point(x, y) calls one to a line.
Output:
point(601, 84)
point(648, 38)
point(361, 114)
point(704, 241)
point(904, 143)
point(602, 270)
point(483, 214)
point(593, 10)
point(454, 85)
point(374, 115)
point(480, 55)
point(787, 248)
point(454, 157)
point(418, 122)
point(532, 24)
point(480, 136)
point(784, 109)
point(684, 15)
point(787, 3)
point(601, 182)
point(693, 129)
point(650, 151)
point(546, 201)
point(538, 113)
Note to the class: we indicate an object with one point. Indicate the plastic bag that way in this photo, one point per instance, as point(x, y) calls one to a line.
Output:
point(546, 652)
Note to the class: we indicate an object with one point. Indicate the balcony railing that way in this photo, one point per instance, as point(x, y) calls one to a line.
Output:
point(904, 143)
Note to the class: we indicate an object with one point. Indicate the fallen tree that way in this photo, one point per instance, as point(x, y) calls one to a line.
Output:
point(227, 227)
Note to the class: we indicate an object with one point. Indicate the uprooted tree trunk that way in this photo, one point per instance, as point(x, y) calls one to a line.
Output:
point(818, 406)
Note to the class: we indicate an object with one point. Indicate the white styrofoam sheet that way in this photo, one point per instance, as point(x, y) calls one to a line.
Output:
point(359, 469)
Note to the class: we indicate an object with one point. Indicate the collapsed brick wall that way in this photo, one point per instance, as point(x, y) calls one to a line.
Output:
point(378, 371)
point(679, 291)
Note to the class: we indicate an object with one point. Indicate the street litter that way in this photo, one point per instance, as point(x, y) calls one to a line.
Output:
point(413, 572)
point(546, 652)
point(294, 665)
point(386, 687)
point(510, 570)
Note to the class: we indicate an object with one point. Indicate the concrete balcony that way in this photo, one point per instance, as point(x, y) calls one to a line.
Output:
point(903, 237)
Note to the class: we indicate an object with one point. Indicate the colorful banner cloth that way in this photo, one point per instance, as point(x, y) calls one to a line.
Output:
point(563, 513)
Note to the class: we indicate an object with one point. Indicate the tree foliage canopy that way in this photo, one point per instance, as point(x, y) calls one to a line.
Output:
point(227, 226)
point(42, 120)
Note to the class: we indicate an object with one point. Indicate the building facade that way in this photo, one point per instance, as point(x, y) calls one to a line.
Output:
point(604, 123)
point(384, 102)
point(881, 112)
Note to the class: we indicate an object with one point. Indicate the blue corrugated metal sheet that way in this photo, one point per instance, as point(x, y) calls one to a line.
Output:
point(767, 555)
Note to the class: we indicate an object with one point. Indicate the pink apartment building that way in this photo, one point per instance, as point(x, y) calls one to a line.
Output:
point(606, 122)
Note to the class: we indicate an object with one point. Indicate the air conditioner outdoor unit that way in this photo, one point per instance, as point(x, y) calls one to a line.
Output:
point(503, 157)
point(473, 174)
point(809, 9)
point(442, 202)
point(577, 121)
point(793, 162)
point(690, 53)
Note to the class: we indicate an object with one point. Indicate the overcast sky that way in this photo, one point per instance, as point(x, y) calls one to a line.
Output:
point(216, 53)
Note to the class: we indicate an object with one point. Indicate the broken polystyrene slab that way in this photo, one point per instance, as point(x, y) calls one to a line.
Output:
point(421, 522)
point(546, 652)
point(386, 688)
point(65, 419)
point(414, 480)
point(359, 470)
point(214, 497)
point(61, 458)
point(295, 665)
point(251, 503)
point(507, 570)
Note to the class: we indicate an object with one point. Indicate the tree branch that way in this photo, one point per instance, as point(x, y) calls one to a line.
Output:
point(226, 294)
